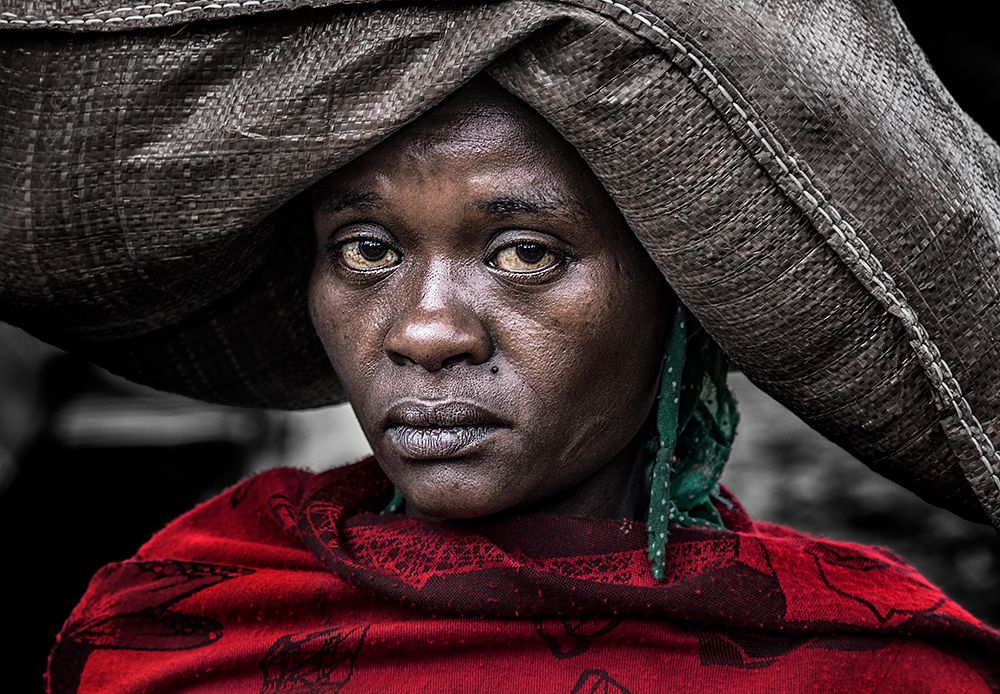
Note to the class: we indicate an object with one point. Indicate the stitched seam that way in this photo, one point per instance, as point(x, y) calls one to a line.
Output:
point(139, 13)
point(883, 287)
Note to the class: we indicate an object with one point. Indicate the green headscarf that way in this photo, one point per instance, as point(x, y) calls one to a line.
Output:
point(696, 421)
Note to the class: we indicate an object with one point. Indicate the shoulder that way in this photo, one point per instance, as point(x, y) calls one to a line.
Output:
point(233, 565)
point(829, 586)
point(243, 525)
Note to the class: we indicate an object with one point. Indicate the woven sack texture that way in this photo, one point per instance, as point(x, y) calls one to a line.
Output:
point(794, 167)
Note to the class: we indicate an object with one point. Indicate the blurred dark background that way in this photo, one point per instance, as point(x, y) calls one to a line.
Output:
point(91, 466)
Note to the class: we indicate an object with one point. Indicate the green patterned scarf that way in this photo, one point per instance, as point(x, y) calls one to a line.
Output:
point(696, 422)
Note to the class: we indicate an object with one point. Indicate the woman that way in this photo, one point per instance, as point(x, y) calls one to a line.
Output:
point(501, 335)
point(445, 302)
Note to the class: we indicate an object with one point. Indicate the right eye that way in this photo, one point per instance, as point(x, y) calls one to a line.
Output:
point(525, 257)
point(367, 255)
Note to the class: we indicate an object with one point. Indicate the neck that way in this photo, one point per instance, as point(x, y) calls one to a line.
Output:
point(618, 490)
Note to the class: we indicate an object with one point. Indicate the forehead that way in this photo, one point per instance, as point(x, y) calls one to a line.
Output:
point(480, 118)
point(482, 140)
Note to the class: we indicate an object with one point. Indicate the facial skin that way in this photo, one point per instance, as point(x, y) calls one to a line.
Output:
point(497, 327)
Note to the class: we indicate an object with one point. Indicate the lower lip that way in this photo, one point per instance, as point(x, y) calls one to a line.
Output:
point(436, 443)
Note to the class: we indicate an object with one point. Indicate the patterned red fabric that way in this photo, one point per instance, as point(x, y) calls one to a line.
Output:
point(293, 582)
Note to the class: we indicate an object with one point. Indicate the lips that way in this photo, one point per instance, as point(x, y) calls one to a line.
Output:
point(435, 431)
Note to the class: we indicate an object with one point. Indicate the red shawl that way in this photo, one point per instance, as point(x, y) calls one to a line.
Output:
point(293, 582)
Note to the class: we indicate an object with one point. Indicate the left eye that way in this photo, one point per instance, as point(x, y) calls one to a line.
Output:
point(525, 257)
point(368, 254)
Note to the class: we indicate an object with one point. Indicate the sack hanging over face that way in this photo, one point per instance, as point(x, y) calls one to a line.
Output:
point(795, 169)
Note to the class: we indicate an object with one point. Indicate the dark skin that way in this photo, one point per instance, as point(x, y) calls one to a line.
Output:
point(495, 324)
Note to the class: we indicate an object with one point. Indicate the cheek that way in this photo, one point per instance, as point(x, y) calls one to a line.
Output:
point(348, 326)
point(591, 355)
point(610, 330)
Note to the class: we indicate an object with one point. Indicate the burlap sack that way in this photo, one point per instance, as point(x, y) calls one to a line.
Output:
point(795, 168)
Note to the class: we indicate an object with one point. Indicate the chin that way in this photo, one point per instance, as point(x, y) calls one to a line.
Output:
point(448, 507)
point(456, 499)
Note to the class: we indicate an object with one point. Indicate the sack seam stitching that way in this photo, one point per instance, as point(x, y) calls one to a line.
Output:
point(168, 9)
point(885, 289)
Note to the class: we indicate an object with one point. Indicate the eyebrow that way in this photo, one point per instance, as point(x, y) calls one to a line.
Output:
point(546, 203)
point(359, 200)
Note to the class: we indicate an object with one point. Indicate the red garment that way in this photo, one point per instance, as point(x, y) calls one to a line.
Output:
point(293, 582)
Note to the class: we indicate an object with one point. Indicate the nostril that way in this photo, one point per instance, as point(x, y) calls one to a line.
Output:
point(397, 358)
point(457, 359)
point(428, 361)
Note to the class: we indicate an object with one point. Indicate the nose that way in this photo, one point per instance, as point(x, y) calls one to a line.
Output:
point(437, 326)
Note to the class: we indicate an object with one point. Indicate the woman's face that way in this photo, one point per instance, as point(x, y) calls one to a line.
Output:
point(495, 324)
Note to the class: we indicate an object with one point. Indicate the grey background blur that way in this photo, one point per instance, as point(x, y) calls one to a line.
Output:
point(91, 466)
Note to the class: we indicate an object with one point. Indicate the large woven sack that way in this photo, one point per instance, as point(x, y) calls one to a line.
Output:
point(794, 167)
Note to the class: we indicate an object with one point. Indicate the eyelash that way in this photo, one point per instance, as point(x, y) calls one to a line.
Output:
point(559, 261)
point(335, 252)
point(336, 249)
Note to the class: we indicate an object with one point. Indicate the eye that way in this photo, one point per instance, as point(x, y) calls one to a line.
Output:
point(366, 255)
point(526, 256)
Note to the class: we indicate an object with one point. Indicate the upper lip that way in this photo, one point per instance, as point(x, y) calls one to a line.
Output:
point(449, 413)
